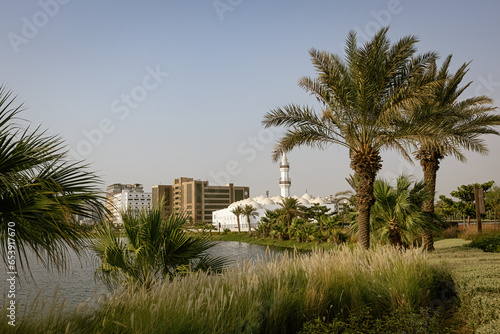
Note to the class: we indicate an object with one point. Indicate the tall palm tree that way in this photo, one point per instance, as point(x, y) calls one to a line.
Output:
point(363, 96)
point(237, 211)
point(152, 248)
point(249, 211)
point(464, 121)
point(290, 208)
point(41, 191)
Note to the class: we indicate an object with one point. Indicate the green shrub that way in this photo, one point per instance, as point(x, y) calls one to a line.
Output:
point(487, 242)
point(398, 321)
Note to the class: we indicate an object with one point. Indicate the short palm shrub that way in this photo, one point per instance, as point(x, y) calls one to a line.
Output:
point(152, 247)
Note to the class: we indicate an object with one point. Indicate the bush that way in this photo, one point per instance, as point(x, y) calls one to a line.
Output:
point(398, 321)
point(487, 242)
point(450, 232)
point(338, 237)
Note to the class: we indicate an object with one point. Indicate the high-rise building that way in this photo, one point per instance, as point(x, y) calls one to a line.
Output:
point(196, 198)
point(123, 197)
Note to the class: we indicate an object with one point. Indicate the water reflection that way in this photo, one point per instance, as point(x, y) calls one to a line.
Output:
point(77, 284)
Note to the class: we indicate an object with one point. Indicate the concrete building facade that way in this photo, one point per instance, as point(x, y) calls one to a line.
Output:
point(196, 198)
point(123, 197)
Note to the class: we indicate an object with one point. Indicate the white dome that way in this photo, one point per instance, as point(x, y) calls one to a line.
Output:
point(267, 201)
point(247, 201)
point(235, 204)
point(295, 196)
point(307, 196)
point(303, 201)
point(318, 200)
point(255, 205)
point(259, 198)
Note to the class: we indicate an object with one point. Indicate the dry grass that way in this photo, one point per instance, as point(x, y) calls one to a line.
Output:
point(275, 296)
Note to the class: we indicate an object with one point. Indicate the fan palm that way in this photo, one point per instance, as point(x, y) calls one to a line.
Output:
point(249, 211)
point(237, 211)
point(41, 191)
point(153, 247)
point(464, 121)
point(362, 97)
point(396, 215)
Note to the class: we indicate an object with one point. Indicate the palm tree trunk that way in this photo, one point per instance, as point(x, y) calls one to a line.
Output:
point(395, 235)
point(249, 227)
point(238, 220)
point(366, 169)
point(429, 161)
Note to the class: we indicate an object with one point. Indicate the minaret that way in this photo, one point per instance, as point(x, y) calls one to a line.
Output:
point(285, 181)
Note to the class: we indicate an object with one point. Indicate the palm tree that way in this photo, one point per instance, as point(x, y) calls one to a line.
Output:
point(290, 209)
point(249, 211)
point(464, 121)
point(237, 211)
point(363, 98)
point(397, 215)
point(152, 248)
point(41, 191)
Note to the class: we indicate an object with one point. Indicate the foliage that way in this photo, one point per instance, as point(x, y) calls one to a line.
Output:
point(152, 248)
point(487, 242)
point(492, 199)
point(41, 190)
point(465, 194)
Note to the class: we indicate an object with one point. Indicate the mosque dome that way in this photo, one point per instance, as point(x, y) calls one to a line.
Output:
point(307, 197)
point(317, 200)
point(303, 201)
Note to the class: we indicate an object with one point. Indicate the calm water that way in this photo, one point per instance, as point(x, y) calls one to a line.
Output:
point(77, 284)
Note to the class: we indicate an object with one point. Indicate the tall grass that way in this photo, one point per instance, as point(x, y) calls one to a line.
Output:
point(274, 296)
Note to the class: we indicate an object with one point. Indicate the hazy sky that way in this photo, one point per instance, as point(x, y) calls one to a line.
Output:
point(149, 91)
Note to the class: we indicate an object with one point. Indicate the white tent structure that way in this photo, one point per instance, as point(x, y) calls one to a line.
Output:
point(228, 220)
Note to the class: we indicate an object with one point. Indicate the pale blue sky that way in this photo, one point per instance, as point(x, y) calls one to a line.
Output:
point(218, 72)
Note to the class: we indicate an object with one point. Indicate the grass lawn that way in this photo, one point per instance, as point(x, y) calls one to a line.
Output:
point(477, 277)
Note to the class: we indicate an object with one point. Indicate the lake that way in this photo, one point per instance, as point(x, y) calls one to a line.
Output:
point(77, 284)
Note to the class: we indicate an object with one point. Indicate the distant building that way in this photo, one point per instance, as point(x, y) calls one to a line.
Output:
point(196, 198)
point(123, 197)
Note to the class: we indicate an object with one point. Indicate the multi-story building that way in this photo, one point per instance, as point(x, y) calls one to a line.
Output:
point(196, 198)
point(123, 197)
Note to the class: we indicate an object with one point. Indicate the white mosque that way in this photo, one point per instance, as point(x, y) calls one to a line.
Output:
point(228, 220)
